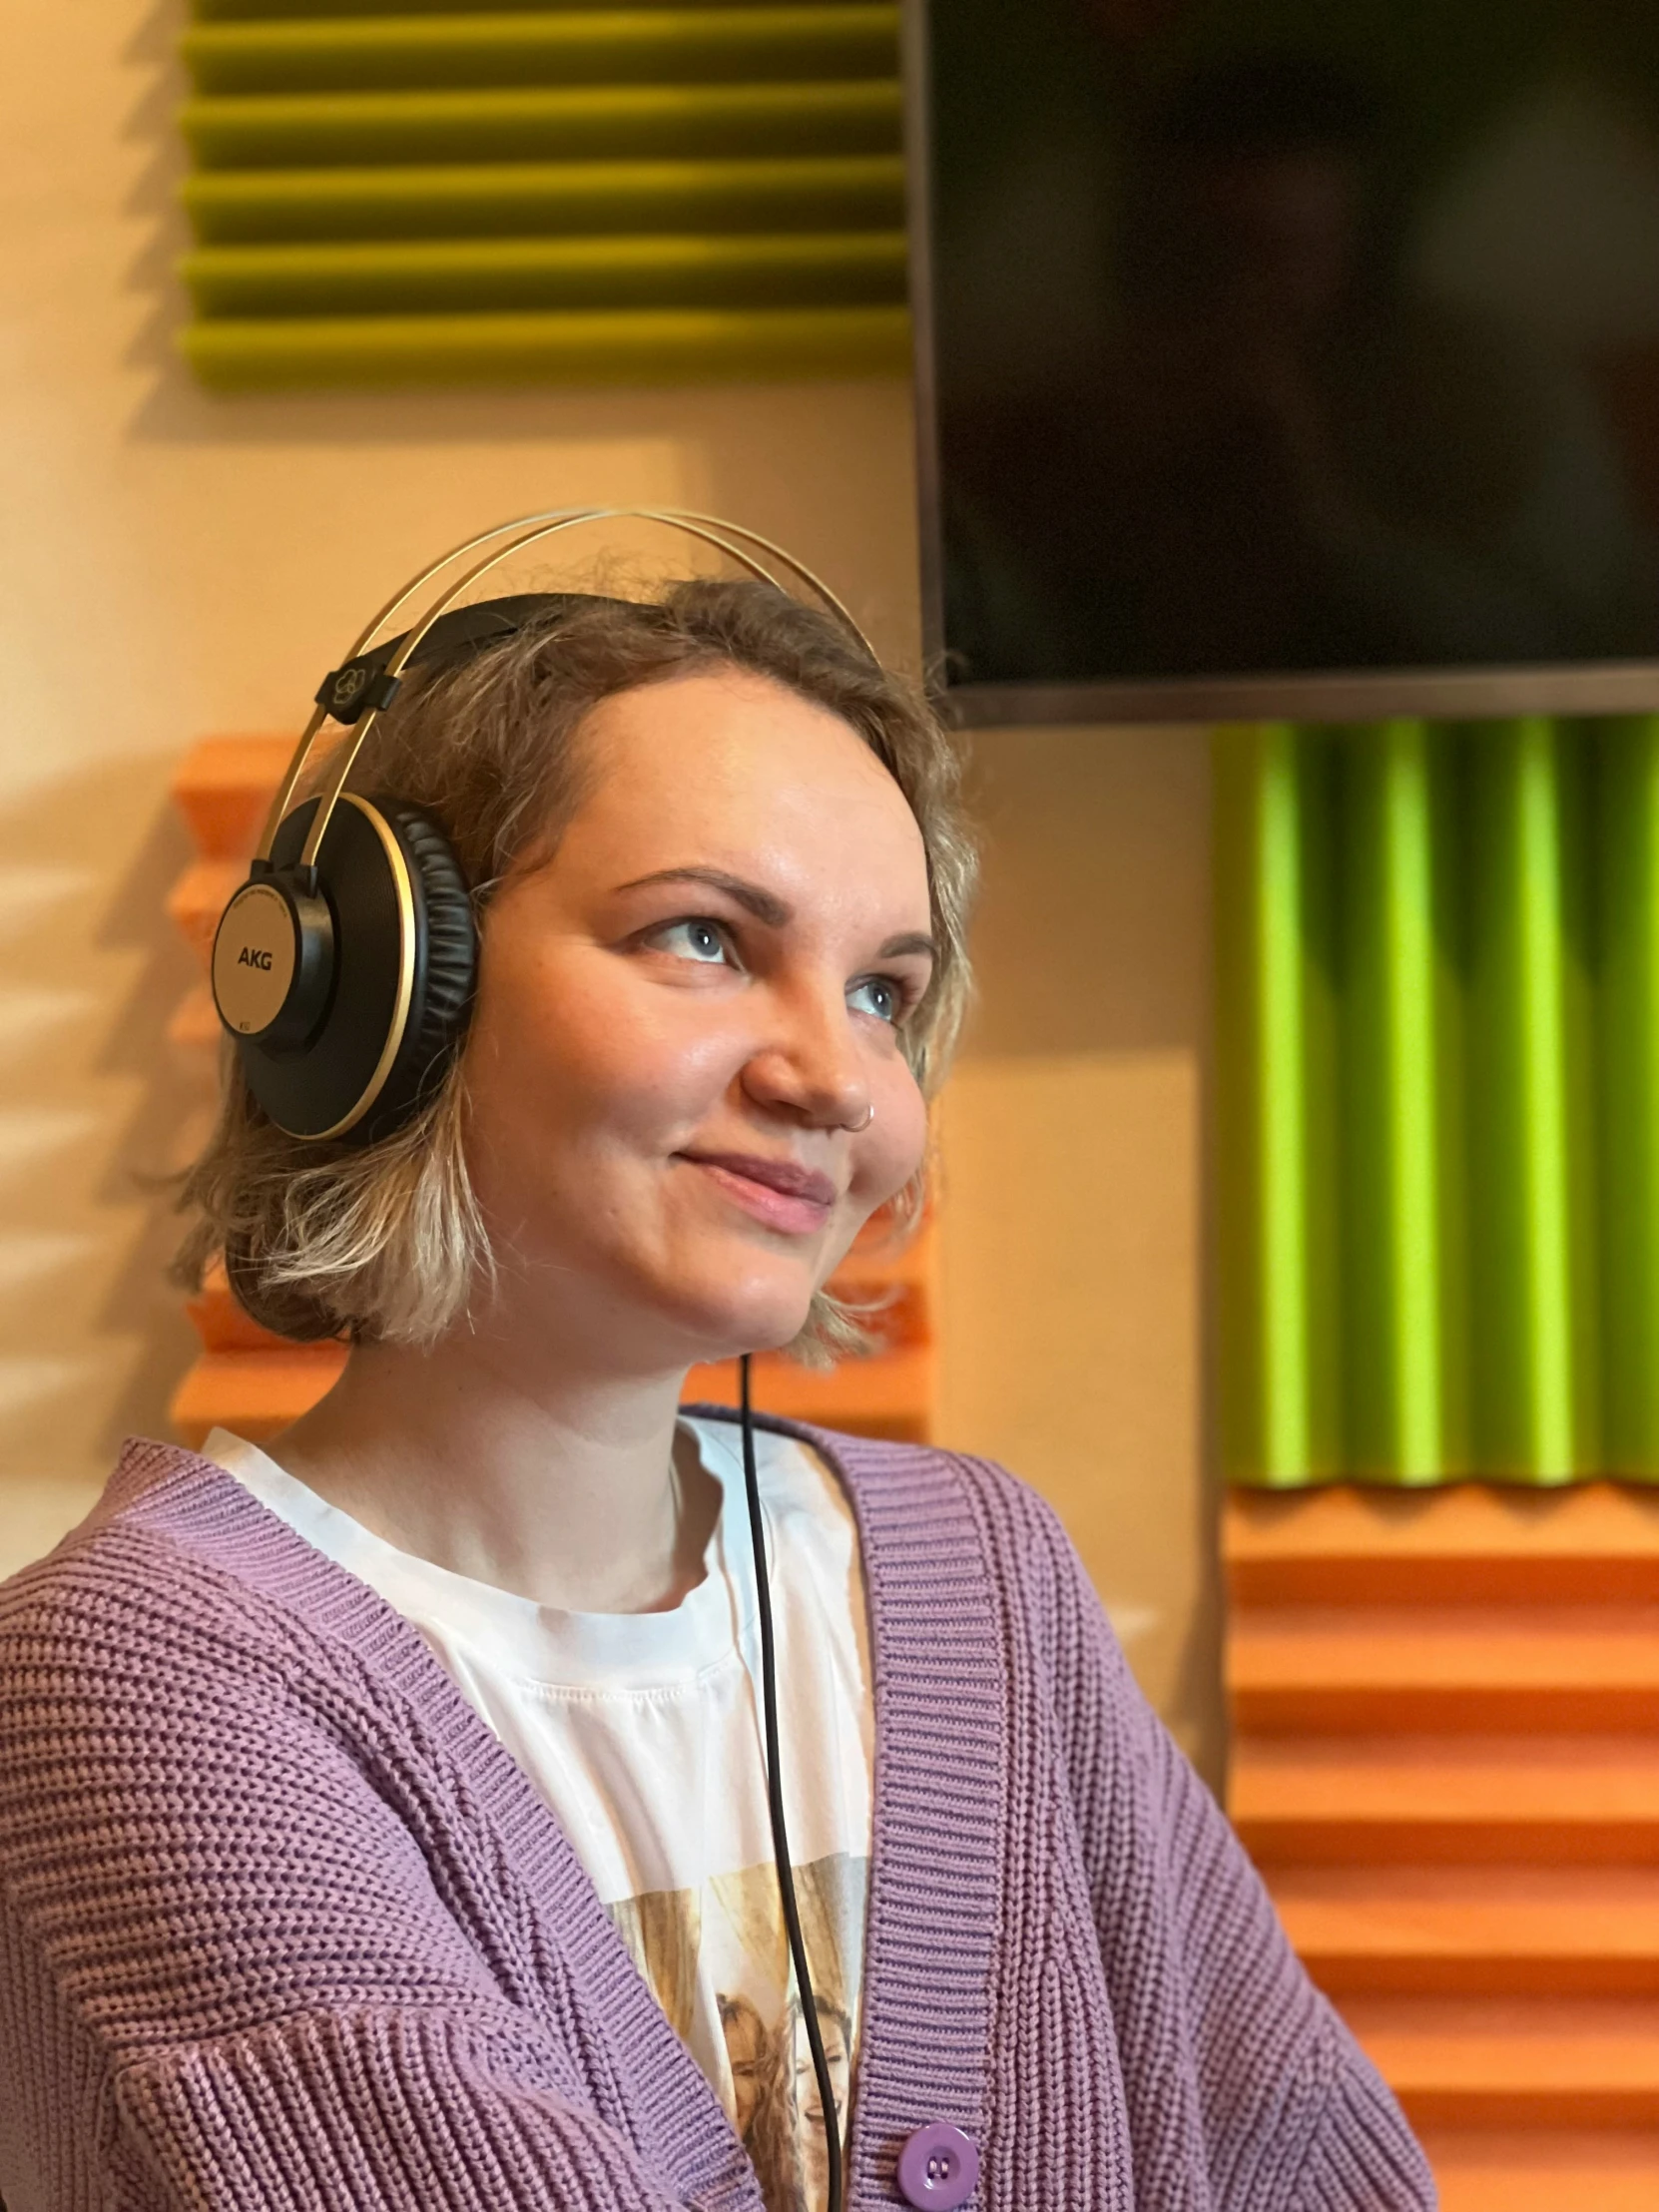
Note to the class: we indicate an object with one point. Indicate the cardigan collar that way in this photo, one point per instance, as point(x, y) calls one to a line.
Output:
point(939, 1634)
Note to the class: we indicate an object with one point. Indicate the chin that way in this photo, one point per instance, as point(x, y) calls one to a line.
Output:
point(723, 1326)
point(737, 1335)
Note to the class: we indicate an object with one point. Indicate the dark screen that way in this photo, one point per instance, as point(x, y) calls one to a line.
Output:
point(1293, 335)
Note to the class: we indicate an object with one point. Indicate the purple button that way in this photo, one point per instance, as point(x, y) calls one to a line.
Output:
point(938, 2167)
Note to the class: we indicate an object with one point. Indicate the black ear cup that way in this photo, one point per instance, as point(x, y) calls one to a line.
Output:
point(404, 965)
point(441, 1003)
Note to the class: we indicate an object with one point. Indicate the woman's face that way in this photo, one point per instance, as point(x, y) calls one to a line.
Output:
point(686, 1090)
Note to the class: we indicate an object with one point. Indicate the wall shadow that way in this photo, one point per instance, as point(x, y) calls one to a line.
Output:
point(91, 1114)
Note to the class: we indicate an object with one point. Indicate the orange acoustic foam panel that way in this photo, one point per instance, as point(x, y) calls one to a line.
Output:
point(1446, 1765)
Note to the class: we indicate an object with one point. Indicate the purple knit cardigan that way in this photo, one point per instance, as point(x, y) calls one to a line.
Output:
point(284, 1926)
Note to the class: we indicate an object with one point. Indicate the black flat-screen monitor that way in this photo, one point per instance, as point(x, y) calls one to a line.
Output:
point(1288, 357)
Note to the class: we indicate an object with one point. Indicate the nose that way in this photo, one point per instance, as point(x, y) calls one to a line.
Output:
point(809, 1067)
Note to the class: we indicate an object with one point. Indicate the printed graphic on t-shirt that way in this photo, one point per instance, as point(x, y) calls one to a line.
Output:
point(718, 1961)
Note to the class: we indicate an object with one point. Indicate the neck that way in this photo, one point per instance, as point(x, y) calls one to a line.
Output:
point(556, 1482)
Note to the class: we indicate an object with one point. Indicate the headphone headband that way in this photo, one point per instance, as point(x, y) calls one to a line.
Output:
point(345, 974)
point(371, 681)
point(349, 690)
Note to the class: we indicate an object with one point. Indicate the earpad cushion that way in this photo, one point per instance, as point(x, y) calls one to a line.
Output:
point(338, 1086)
point(446, 972)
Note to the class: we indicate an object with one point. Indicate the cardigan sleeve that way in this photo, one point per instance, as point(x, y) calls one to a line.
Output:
point(237, 1971)
point(388, 2110)
point(1293, 2116)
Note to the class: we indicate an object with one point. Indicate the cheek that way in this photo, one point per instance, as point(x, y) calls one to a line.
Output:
point(895, 1146)
point(561, 1049)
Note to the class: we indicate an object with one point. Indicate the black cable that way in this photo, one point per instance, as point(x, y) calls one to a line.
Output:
point(775, 1800)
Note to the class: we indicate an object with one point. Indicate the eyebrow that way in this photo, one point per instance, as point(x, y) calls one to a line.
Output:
point(776, 912)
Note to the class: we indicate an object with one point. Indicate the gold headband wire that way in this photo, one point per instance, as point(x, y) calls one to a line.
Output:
point(729, 538)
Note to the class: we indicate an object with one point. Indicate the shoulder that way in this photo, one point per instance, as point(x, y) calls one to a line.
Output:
point(140, 1569)
point(177, 1615)
point(963, 1549)
point(931, 1519)
point(204, 1725)
point(176, 1554)
point(899, 1486)
point(183, 1622)
point(917, 1483)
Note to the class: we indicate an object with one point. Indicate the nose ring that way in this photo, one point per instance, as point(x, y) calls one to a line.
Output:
point(858, 1128)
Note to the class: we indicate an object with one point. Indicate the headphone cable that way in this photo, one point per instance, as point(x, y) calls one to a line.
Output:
point(775, 1800)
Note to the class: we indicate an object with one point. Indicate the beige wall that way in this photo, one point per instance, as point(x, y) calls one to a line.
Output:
point(1072, 1140)
point(171, 566)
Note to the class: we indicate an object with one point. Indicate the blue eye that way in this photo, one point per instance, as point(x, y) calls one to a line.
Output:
point(694, 939)
point(879, 996)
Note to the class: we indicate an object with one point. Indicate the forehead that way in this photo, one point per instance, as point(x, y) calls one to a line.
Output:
point(732, 770)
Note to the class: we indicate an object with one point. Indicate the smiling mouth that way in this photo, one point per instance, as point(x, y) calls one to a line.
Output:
point(784, 1196)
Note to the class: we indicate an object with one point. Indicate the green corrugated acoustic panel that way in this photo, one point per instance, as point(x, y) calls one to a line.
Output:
point(1437, 991)
point(446, 195)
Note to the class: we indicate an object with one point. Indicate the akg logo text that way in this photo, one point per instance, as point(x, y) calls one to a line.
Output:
point(250, 957)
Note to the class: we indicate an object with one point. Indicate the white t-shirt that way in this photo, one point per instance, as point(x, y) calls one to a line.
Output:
point(644, 1733)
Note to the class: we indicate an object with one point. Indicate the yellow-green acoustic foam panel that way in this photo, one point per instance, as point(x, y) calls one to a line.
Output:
point(586, 123)
point(306, 11)
point(1437, 989)
point(475, 275)
point(640, 347)
point(682, 45)
point(538, 199)
point(438, 194)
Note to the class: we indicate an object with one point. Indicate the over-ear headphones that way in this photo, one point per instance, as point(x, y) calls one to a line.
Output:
point(345, 966)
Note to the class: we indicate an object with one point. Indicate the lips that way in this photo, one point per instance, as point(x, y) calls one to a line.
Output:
point(776, 1175)
point(779, 1193)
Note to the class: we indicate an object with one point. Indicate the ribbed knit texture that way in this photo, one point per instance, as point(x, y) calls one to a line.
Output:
point(282, 1925)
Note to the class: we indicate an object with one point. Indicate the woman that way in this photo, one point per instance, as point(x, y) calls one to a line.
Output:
point(384, 1819)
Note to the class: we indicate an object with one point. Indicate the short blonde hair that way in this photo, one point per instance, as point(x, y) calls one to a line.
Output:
point(384, 1241)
